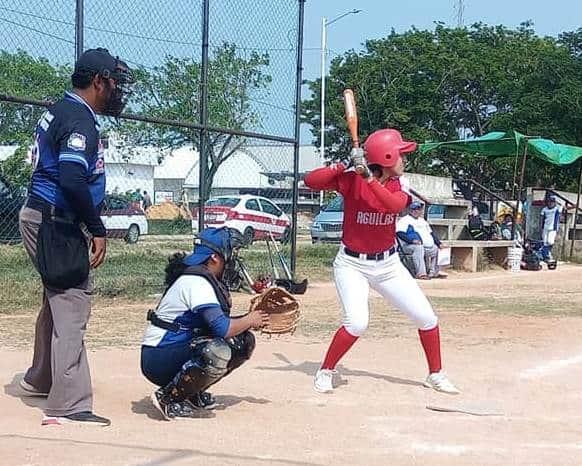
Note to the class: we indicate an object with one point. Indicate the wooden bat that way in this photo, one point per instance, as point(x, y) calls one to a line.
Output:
point(351, 113)
point(351, 116)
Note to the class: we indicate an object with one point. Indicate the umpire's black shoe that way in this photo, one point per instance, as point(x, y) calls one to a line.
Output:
point(85, 417)
point(203, 400)
point(172, 409)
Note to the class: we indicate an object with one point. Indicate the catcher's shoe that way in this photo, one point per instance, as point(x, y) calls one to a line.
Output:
point(439, 382)
point(172, 409)
point(323, 382)
point(203, 400)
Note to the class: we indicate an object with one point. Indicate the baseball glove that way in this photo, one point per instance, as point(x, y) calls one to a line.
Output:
point(282, 307)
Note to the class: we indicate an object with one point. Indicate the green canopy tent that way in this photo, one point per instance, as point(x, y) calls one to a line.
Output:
point(514, 144)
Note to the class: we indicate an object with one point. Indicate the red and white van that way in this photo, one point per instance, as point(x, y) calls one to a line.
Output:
point(253, 216)
point(123, 219)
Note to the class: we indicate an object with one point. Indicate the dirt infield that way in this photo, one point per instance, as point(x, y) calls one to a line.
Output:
point(510, 342)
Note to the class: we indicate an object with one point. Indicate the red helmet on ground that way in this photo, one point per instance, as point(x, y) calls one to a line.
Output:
point(385, 146)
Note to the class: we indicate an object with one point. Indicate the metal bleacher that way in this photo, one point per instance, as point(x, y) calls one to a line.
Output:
point(451, 226)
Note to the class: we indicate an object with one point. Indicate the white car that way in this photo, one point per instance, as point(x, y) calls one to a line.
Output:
point(253, 216)
point(123, 219)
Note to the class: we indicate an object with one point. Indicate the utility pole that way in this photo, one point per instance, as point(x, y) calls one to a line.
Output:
point(460, 12)
point(324, 24)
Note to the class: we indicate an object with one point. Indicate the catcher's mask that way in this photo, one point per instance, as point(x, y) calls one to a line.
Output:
point(100, 62)
point(222, 241)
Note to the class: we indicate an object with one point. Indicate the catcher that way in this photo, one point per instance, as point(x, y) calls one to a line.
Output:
point(192, 342)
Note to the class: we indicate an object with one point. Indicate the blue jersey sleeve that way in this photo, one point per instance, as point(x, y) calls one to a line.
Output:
point(216, 320)
point(78, 142)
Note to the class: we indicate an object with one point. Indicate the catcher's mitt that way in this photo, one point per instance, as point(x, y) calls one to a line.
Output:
point(282, 307)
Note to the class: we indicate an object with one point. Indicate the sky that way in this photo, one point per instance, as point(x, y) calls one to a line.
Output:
point(47, 29)
point(379, 17)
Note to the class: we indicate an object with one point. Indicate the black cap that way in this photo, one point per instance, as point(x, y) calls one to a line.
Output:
point(99, 61)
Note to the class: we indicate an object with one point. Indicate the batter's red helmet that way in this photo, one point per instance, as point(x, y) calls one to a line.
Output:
point(383, 147)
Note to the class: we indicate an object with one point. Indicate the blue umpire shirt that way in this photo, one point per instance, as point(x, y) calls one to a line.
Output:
point(69, 132)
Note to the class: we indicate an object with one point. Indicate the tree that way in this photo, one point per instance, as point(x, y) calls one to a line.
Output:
point(173, 91)
point(451, 83)
point(24, 76)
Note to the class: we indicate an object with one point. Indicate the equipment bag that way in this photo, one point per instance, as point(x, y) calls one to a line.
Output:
point(62, 253)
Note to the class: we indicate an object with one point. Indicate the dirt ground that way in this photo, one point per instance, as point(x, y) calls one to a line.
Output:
point(511, 342)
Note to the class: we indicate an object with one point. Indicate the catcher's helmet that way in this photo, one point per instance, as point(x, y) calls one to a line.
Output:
point(384, 147)
point(222, 241)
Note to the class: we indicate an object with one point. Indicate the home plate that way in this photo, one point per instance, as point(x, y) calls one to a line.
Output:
point(472, 409)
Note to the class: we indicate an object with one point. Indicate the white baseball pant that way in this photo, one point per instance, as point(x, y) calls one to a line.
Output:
point(355, 276)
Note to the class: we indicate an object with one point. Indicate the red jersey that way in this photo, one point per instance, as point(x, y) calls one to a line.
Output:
point(370, 209)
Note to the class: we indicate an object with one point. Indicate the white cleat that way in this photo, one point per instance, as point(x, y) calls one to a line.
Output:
point(439, 382)
point(323, 381)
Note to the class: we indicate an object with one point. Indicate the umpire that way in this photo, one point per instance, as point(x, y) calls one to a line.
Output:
point(59, 222)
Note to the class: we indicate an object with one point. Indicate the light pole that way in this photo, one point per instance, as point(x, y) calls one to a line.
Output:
point(324, 24)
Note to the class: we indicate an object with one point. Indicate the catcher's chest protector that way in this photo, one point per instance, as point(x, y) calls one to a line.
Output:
point(221, 291)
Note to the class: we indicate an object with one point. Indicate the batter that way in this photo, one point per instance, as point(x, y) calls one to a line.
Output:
point(367, 257)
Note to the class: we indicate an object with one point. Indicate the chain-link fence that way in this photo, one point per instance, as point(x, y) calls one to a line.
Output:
point(217, 77)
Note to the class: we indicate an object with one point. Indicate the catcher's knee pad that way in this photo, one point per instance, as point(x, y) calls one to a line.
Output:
point(242, 347)
point(209, 364)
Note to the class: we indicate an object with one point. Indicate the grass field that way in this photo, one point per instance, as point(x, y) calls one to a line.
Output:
point(136, 272)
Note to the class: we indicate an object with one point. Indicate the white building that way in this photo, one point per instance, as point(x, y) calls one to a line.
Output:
point(265, 169)
point(128, 169)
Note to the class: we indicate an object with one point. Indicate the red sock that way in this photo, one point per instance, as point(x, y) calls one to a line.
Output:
point(431, 343)
point(341, 343)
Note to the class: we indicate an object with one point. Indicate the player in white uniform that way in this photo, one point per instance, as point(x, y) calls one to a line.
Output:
point(550, 222)
point(367, 257)
point(192, 342)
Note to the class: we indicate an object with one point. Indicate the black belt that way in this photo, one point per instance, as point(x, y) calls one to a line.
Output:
point(171, 326)
point(50, 210)
point(378, 256)
point(155, 320)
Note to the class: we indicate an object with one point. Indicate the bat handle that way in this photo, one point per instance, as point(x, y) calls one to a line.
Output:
point(363, 170)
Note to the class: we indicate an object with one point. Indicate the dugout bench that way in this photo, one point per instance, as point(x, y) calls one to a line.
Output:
point(464, 253)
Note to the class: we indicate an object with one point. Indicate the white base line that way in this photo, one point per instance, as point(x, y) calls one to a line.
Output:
point(458, 450)
point(551, 366)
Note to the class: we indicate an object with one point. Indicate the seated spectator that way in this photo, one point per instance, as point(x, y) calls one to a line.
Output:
point(507, 226)
point(495, 231)
point(476, 226)
point(419, 240)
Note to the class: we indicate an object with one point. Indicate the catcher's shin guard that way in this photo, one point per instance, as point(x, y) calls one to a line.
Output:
point(208, 365)
point(242, 347)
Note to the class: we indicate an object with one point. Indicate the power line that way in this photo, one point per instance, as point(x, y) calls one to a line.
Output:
point(278, 107)
point(38, 31)
point(143, 37)
point(460, 12)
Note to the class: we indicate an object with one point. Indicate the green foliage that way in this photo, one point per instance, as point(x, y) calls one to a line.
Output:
point(450, 83)
point(15, 170)
point(25, 76)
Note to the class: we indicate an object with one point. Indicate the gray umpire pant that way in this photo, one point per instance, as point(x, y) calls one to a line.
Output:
point(59, 365)
point(421, 256)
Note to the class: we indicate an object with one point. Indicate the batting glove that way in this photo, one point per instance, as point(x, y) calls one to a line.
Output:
point(357, 156)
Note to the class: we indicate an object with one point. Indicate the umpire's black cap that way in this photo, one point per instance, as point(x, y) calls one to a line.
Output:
point(99, 61)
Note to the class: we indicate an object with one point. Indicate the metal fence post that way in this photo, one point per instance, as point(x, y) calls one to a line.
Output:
point(203, 146)
point(574, 232)
point(79, 20)
point(298, 82)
